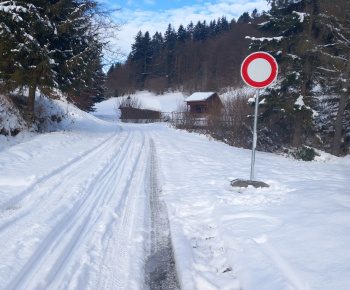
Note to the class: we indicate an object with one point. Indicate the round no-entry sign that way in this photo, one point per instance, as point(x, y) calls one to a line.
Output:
point(259, 69)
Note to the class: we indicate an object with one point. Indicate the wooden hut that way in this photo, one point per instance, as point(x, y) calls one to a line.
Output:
point(203, 102)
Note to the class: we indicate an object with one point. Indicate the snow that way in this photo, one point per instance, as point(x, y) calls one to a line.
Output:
point(74, 210)
point(293, 56)
point(277, 38)
point(168, 102)
point(301, 15)
point(300, 102)
point(9, 8)
point(262, 102)
point(199, 96)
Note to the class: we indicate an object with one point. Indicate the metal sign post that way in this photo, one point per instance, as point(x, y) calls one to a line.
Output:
point(258, 70)
point(255, 135)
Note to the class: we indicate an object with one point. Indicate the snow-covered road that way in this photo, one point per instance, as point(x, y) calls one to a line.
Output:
point(76, 213)
point(74, 224)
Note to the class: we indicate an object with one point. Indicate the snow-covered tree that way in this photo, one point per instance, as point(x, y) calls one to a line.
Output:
point(310, 40)
point(333, 43)
point(289, 38)
point(26, 35)
point(49, 44)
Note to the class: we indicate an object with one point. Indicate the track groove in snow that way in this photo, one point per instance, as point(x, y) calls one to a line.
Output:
point(75, 208)
point(160, 265)
point(25, 195)
point(74, 212)
point(117, 278)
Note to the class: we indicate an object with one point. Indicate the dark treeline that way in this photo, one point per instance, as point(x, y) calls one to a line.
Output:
point(309, 105)
point(198, 57)
point(310, 39)
point(52, 48)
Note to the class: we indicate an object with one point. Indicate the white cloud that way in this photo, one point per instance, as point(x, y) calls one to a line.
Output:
point(152, 21)
point(149, 2)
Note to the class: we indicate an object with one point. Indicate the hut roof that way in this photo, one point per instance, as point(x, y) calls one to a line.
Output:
point(200, 96)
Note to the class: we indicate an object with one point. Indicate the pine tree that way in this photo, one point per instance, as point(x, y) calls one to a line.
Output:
point(244, 18)
point(332, 29)
point(289, 40)
point(182, 34)
point(79, 47)
point(141, 55)
point(190, 29)
point(47, 45)
point(157, 64)
point(26, 34)
point(170, 39)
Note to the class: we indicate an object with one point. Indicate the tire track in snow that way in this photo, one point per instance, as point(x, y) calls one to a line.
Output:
point(26, 195)
point(117, 253)
point(160, 267)
point(44, 265)
point(116, 175)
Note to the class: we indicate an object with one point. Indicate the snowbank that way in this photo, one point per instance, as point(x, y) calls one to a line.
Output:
point(168, 102)
point(74, 210)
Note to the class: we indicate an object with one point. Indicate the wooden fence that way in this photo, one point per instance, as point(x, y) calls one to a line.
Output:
point(179, 119)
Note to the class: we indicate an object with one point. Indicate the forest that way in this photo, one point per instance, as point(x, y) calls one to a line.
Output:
point(310, 39)
point(52, 47)
point(56, 48)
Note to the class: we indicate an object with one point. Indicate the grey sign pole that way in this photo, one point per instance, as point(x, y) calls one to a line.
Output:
point(255, 137)
point(258, 70)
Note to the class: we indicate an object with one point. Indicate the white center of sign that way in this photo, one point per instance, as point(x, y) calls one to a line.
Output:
point(259, 70)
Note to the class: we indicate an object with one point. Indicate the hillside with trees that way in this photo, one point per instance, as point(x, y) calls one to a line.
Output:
point(310, 39)
point(200, 57)
point(55, 48)
point(310, 102)
point(52, 48)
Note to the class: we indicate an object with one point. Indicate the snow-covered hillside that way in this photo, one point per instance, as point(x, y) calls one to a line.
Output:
point(51, 115)
point(75, 211)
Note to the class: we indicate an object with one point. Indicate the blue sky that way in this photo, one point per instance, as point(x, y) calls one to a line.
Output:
point(154, 5)
point(155, 15)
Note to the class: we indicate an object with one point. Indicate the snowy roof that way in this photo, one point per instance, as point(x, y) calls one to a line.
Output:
point(200, 96)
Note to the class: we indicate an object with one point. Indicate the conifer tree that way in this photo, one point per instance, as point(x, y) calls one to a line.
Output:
point(182, 34)
point(141, 55)
point(26, 60)
point(49, 44)
point(332, 29)
point(190, 28)
point(157, 66)
point(289, 40)
point(170, 39)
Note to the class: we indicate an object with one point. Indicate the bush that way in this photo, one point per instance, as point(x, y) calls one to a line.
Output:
point(304, 153)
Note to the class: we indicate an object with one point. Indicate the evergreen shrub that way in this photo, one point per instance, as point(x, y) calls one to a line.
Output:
point(304, 153)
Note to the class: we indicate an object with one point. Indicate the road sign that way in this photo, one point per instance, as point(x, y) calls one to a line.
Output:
point(259, 69)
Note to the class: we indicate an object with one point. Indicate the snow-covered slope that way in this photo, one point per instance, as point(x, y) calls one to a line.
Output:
point(168, 102)
point(51, 115)
point(74, 211)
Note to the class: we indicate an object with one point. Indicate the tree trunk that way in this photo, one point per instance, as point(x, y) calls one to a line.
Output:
point(305, 75)
point(339, 124)
point(30, 104)
point(297, 129)
point(341, 109)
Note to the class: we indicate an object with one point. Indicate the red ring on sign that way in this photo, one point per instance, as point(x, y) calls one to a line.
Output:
point(249, 59)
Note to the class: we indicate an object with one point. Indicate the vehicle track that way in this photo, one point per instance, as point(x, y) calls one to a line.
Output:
point(99, 199)
point(160, 267)
point(116, 278)
point(6, 206)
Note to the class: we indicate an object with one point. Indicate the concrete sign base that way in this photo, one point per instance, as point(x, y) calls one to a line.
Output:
point(245, 183)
